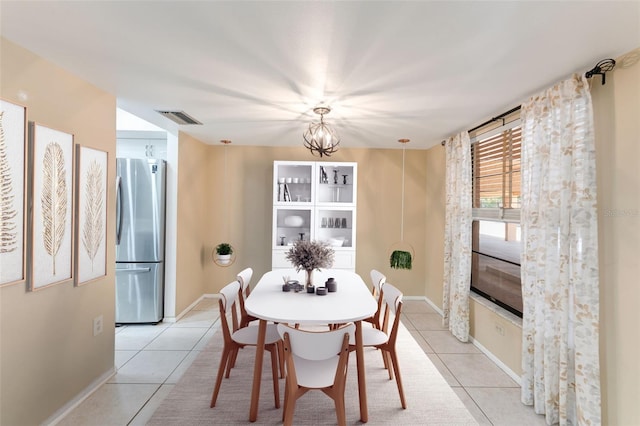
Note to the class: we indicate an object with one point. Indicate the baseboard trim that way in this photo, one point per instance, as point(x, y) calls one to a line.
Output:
point(497, 361)
point(188, 308)
point(475, 343)
point(80, 398)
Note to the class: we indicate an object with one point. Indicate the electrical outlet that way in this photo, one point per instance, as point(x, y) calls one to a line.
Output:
point(97, 325)
point(499, 329)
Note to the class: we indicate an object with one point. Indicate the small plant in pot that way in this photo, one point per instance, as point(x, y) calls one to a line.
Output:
point(223, 253)
point(400, 259)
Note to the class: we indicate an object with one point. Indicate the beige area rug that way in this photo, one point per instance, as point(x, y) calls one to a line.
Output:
point(430, 400)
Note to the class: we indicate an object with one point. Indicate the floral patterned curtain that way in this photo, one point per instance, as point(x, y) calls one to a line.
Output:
point(561, 375)
point(457, 236)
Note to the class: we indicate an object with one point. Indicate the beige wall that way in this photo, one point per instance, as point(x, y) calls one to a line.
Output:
point(194, 222)
point(47, 348)
point(240, 212)
point(617, 124)
point(616, 112)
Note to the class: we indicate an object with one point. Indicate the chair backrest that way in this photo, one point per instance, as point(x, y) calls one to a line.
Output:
point(377, 279)
point(316, 345)
point(393, 305)
point(244, 277)
point(227, 301)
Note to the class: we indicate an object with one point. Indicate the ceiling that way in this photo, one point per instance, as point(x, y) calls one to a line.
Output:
point(253, 71)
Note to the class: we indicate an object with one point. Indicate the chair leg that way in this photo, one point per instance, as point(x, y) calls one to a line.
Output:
point(232, 360)
point(280, 346)
point(385, 360)
point(274, 373)
point(290, 406)
point(396, 369)
point(286, 397)
point(221, 368)
point(387, 357)
point(340, 409)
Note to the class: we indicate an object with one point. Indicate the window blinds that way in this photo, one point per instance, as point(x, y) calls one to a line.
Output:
point(496, 175)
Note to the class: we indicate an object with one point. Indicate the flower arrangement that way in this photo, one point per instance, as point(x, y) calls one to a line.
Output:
point(310, 255)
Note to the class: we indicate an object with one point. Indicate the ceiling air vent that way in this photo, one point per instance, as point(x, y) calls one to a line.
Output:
point(179, 117)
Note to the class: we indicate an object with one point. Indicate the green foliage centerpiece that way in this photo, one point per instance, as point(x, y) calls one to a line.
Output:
point(310, 255)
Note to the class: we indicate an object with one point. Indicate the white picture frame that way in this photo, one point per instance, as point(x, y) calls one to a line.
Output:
point(91, 214)
point(13, 228)
point(51, 201)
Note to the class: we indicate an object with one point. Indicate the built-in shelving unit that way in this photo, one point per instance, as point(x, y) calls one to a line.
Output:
point(315, 201)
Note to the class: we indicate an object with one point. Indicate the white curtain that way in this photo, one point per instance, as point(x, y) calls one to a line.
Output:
point(457, 236)
point(561, 375)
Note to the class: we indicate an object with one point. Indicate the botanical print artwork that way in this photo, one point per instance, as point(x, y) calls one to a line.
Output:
point(12, 163)
point(93, 227)
point(54, 200)
point(92, 213)
point(52, 170)
point(8, 236)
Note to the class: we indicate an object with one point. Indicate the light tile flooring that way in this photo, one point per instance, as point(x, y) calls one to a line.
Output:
point(151, 359)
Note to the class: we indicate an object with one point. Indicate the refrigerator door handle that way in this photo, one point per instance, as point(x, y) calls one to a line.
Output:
point(134, 270)
point(118, 209)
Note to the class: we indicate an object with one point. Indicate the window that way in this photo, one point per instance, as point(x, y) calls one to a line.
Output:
point(495, 264)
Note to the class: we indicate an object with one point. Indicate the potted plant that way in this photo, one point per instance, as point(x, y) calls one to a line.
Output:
point(310, 255)
point(400, 259)
point(223, 253)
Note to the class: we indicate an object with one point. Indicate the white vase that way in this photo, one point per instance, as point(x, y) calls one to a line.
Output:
point(224, 259)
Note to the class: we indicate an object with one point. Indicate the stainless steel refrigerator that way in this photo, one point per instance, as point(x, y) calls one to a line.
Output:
point(140, 235)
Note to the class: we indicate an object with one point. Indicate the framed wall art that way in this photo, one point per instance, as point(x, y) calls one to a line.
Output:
point(51, 206)
point(91, 214)
point(13, 125)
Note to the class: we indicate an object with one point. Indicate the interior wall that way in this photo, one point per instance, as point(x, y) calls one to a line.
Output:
point(193, 218)
point(616, 112)
point(48, 354)
point(241, 208)
point(434, 223)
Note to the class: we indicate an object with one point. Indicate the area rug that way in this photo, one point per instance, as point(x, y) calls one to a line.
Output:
point(430, 400)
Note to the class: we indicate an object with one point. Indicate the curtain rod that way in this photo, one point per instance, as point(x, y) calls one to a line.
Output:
point(600, 68)
point(496, 118)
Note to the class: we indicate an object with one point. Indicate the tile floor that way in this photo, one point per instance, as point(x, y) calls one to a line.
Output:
point(151, 359)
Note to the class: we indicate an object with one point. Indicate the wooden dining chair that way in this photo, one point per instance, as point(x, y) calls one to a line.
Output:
point(315, 360)
point(244, 277)
point(377, 279)
point(385, 338)
point(245, 336)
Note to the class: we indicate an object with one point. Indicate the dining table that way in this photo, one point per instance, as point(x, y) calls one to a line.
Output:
point(351, 302)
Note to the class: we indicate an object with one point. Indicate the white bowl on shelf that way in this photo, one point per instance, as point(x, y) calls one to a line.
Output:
point(293, 221)
point(336, 242)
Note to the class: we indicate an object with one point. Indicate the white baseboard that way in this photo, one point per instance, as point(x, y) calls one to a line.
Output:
point(477, 344)
point(188, 308)
point(495, 359)
point(425, 299)
point(80, 398)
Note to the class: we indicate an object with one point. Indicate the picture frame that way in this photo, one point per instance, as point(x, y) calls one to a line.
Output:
point(50, 205)
point(91, 214)
point(13, 193)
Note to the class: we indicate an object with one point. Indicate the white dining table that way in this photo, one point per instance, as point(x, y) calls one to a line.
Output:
point(352, 302)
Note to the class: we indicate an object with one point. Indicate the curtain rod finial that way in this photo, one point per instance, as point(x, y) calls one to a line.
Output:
point(601, 68)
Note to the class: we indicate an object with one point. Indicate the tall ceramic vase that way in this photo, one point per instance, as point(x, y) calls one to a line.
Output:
point(309, 281)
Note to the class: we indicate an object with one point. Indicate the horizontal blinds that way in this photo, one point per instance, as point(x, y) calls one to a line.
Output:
point(496, 175)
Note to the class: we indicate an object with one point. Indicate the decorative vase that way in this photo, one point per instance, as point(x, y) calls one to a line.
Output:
point(309, 281)
point(224, 259)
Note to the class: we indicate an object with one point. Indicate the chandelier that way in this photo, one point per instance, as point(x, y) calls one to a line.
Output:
point(319, 138)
